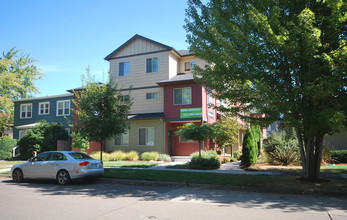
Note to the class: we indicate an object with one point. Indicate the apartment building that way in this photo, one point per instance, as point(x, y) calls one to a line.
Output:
point(164, 95)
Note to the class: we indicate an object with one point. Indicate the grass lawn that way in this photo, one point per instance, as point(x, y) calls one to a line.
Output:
point(328, 169)
point(136, 164)
point(278, 183)
point(9, 163)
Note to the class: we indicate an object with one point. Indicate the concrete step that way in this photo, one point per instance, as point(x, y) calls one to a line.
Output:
point(180, 158)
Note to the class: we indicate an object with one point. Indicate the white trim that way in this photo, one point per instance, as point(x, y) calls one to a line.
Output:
point(26, 114)
point(44, 103)
point(69, 100)
point(44, 97)
point(138, 136)
point(191, 94)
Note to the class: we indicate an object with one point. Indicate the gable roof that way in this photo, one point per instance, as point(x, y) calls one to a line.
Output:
point(137, 36)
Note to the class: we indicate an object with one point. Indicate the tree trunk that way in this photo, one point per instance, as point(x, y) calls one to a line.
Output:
point(311, 155)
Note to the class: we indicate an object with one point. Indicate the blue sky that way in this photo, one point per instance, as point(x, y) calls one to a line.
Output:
point(67, 36)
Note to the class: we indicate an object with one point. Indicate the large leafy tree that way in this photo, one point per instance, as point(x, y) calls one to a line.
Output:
point(226, 132)
point(101, 112)
point(17, 75)
point(285, 58)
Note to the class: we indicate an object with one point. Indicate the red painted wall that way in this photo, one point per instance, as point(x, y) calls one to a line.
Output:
point(172, 111)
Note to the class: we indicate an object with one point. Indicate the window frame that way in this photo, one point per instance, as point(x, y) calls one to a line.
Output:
point(191, 65)
point(138, 136)
point(26, 110)
point(48, 108)
point(64, 101)
point(122, 137)
point(152, 96)
point(121, 71)
point(174, 93)
point(150, 65)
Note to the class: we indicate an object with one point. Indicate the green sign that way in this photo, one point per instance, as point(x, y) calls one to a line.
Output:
point(191, 113)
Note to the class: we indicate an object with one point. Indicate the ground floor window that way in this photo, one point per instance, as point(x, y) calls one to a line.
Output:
point(122, 139)
point(146, 136)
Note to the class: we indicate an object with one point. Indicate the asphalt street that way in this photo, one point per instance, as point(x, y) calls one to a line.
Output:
point(46, 200)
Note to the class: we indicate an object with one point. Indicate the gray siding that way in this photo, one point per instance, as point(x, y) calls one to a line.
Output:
point(51, 117)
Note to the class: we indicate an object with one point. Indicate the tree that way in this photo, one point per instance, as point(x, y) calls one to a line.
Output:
point(286, 59)
point(17, 75)
point(42, 137)
point(101, 112)
point(226, 132)
point(249, 149)
point(191, 131)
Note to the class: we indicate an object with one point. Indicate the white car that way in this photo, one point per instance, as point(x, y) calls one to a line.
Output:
point(63, 166)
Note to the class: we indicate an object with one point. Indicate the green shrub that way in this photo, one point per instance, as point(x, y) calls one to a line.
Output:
point(30, 142)
point(237, 155)
point(282, 148)
point(6, 146)
point(339, 156)
point(117, 155)
point(249, 149)
point(209, 160)
point(132, 155)
point(164, 157)
point(147, 156)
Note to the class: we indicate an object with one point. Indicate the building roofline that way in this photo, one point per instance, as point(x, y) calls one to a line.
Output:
point(136, 36)
point(44, 97)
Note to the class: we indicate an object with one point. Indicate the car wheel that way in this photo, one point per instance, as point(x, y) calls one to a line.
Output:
point(17, 176)
point(63, 177)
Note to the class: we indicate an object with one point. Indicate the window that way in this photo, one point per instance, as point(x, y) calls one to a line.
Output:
point(25, 110)
point(57, 156)
point(188, 66)
point(122, 139)
point(152, 65)
point(185, 140)
point(124, 69)
point(63, 108)
point(152, 95)
point(146, 136)
point(183, 96)
point(42, 157)
point(79, 156)
point(43, 108)
point(126, 97)
point(209, 98)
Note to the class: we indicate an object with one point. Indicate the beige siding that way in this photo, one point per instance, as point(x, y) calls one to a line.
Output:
point(174, 65)
point(199, 62)
point(138, 76)
point(142, 105)
point(138, 46)
point(159, 137)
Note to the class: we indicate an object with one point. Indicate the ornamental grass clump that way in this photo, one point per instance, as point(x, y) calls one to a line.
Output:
point(164, 157)
point(132, 155)
point(209, 160)
point(148, 156)
point(117, 155)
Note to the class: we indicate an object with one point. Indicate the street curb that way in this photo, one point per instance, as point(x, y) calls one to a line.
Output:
point(218, 187)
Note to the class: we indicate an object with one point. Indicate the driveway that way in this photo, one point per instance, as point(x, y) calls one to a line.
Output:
point(46, 200)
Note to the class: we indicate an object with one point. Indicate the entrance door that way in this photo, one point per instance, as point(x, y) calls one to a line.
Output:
point(169, 135)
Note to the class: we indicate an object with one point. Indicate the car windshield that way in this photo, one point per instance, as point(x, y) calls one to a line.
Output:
point(77, 155)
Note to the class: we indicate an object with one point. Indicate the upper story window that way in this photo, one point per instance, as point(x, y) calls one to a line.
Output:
point(209, 98)
point(124, 69)
point(63, 108)
point(26, 110)
point(152, 95)
point(122, 139)
point(43, 108)
point(152, 65)
point(188, 66)
point(183, 96)
point(126, 97)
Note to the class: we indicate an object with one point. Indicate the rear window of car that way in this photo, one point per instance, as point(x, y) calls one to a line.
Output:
point(80, 156)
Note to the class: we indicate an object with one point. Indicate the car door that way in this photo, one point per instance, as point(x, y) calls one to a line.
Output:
point(35, 169)
point(56, 162)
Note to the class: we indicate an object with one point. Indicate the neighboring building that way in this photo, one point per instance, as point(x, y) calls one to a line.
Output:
point(164, 95)
point(28, 112)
